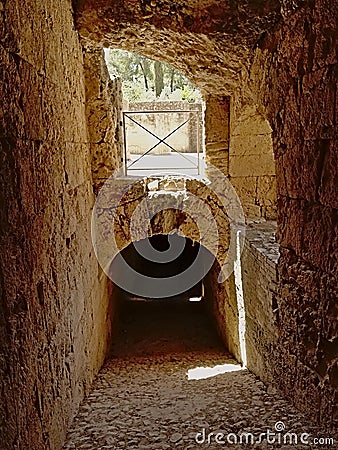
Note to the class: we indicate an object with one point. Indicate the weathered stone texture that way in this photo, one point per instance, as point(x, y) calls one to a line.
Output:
point(54, 315)
point(291, 76)
point(216, 125)
point(192, 36)
point(54, 307)
point(259, 278)
point(161, 366)
point(211, 44)
point(104, 104)
point(251, 163)
point(297, 91)
point(186, 206)
point(222, 303)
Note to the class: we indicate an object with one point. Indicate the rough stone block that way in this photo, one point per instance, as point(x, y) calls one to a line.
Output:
point(246, 188)
point(251, 165)
point(248, 145)
point(12, 121)
point(266, 191)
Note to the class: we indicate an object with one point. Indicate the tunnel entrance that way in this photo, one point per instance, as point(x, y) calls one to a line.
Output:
point(163, 263)
point(164, 325)
point(165, 328)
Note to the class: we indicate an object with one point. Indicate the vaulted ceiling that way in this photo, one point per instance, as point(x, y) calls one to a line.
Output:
point(210, 41)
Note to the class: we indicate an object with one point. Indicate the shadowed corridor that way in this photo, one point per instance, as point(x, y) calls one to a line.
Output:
point(82, 369)
point(152, 393)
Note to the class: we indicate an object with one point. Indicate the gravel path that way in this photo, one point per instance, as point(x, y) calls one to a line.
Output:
point(147, 396)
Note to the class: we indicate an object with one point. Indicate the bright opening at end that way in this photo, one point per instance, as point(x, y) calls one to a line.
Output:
point(195, 299)
point(201, 373)
point(163, 126)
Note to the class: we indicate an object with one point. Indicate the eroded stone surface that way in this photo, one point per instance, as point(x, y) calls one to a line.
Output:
point(210, 42)
point(252, 164)
point(53, 319)
point(126, 211)
point(259, 284)
point(104, 104)
point(294, 79)
point(54, 312)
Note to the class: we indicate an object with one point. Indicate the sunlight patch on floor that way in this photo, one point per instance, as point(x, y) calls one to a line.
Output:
point(201, 373)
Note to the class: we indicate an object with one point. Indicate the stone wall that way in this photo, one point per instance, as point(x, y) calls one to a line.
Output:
point(294, 78)
point(222, 304)
point(238, 142)
point(251, 163)
point(210, 42)
point(216, 124)
point(131, 209)
point(259, 284)
point(104, 104)
point(54, 313)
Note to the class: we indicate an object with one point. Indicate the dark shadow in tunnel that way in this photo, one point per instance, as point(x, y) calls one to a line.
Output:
point(162, 326)
point(162, 272)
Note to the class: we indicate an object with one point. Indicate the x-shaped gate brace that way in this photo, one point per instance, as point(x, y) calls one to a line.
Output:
point(160, 140)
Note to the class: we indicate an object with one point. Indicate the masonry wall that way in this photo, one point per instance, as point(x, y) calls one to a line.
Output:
point(252, 164)
point(54, 313)
point(294, 76)
point(216, 123)
point(238, 142)
point(222, 304)
point(259, 284)
point(104, 104)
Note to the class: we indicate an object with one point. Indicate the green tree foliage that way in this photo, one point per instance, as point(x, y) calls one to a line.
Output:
point(148, 80)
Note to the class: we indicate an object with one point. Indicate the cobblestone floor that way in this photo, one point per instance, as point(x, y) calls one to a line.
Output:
point(143, 397)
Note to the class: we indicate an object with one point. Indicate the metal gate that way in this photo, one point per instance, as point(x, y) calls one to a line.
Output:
point(175, 159)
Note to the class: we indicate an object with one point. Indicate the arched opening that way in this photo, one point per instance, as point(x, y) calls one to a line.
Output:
point(161, 116)
point(147, 80)
point(156, 322)
point(60, 135)
point(162, 263)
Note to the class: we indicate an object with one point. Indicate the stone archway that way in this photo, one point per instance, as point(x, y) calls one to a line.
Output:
point(278, 57)
point(165, 205)
point(229, 111)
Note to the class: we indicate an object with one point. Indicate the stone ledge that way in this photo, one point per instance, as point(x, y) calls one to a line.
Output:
point(261, 236)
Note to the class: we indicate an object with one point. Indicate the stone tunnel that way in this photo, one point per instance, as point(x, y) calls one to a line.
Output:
point(69, 379)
